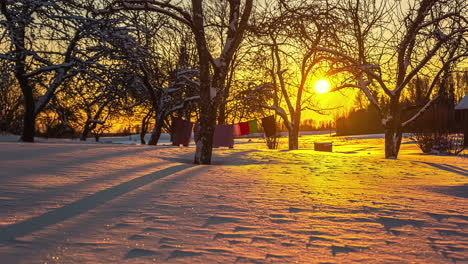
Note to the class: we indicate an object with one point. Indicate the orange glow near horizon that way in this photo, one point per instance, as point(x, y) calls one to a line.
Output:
point(322, 86)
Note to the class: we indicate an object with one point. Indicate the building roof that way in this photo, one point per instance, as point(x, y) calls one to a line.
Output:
point(463, 105)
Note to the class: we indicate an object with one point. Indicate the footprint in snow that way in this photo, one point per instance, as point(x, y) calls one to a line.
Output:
point(166, 240)
point(441, 217)
point(152, 229)
point(121, 225)
point(274, 256)
point(244, 228)
point(390, 222)
point(218, 251)
point(138, 252)
point(296, 210)
point(216, 220)
point(167, 247)
point(228, 235)
point(183, 254)
point(278, 216)
point(235, 242)
point(136, 237)
point(281, 220)
point(450, 232)
point(288, 244)
point(340, 249)
point(248, 260)
point(263, 240)
point(318, 238)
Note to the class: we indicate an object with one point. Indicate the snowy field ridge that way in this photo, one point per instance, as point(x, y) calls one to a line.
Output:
point(62, 201)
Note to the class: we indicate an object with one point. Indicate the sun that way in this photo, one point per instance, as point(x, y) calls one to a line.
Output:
point(322, 86)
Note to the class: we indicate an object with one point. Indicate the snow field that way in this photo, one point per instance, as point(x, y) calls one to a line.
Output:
point(106, 203)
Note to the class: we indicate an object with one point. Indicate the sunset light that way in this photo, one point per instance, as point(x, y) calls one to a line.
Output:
point(322, 86)
point(271, 131)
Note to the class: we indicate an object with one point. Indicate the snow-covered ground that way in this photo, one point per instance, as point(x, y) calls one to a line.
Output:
point(62, 201)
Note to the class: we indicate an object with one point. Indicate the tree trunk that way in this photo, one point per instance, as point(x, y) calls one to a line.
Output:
point(142, 136)
point(293, 136)
point(222, 113)
point(393, 129)
point(293, 133)
point(86, 130)
point(393, 132)
point(208, 111)
point(208, 105)
point(393, 137)
point(29, 119)
point(144, 127)
point(156, 133)
point(89, 126)
point(204, 140)
point(293, 139)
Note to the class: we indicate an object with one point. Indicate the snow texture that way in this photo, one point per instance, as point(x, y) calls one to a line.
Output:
point(62, 201)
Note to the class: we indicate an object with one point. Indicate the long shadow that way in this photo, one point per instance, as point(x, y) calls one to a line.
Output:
point(446, 167)
point(44, 194)
point(457, 190)
point(61, 164)
point(21, 149)
point(11, 232)
point(241, 158)
point(457, 168)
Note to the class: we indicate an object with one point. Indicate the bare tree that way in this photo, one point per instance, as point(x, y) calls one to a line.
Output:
point(163, 81)
point(290, 39)
point(98, 101)
point(213, 69)
point(177, 95)
point(47, 41)
point(384, 46)
point(10, 100)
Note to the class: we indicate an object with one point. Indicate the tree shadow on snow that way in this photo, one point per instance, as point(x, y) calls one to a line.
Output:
point(71, 161)
point(236, 158)
point(457, 190)
point(446, 167)
point(11, 232)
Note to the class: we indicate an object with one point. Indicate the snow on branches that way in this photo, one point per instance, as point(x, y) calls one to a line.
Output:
point(50, 42)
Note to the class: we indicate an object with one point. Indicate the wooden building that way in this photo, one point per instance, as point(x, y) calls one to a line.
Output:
point(461, 110)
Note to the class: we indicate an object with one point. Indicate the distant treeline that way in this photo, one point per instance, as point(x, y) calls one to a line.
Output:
point(311, 125)
point(440, 117)
point(363, 121)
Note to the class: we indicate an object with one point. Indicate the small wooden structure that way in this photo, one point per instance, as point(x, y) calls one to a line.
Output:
point(323, 146)
point(461, 110)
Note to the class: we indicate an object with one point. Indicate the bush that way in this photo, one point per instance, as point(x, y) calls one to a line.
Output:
point(439, 142)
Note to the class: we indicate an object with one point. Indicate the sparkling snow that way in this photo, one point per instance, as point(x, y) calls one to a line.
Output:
point(62, 201)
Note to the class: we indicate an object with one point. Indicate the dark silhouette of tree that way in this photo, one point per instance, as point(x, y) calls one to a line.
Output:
point(212, 69)
point(381, 50)
point(48, 43)
point(290, 39)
